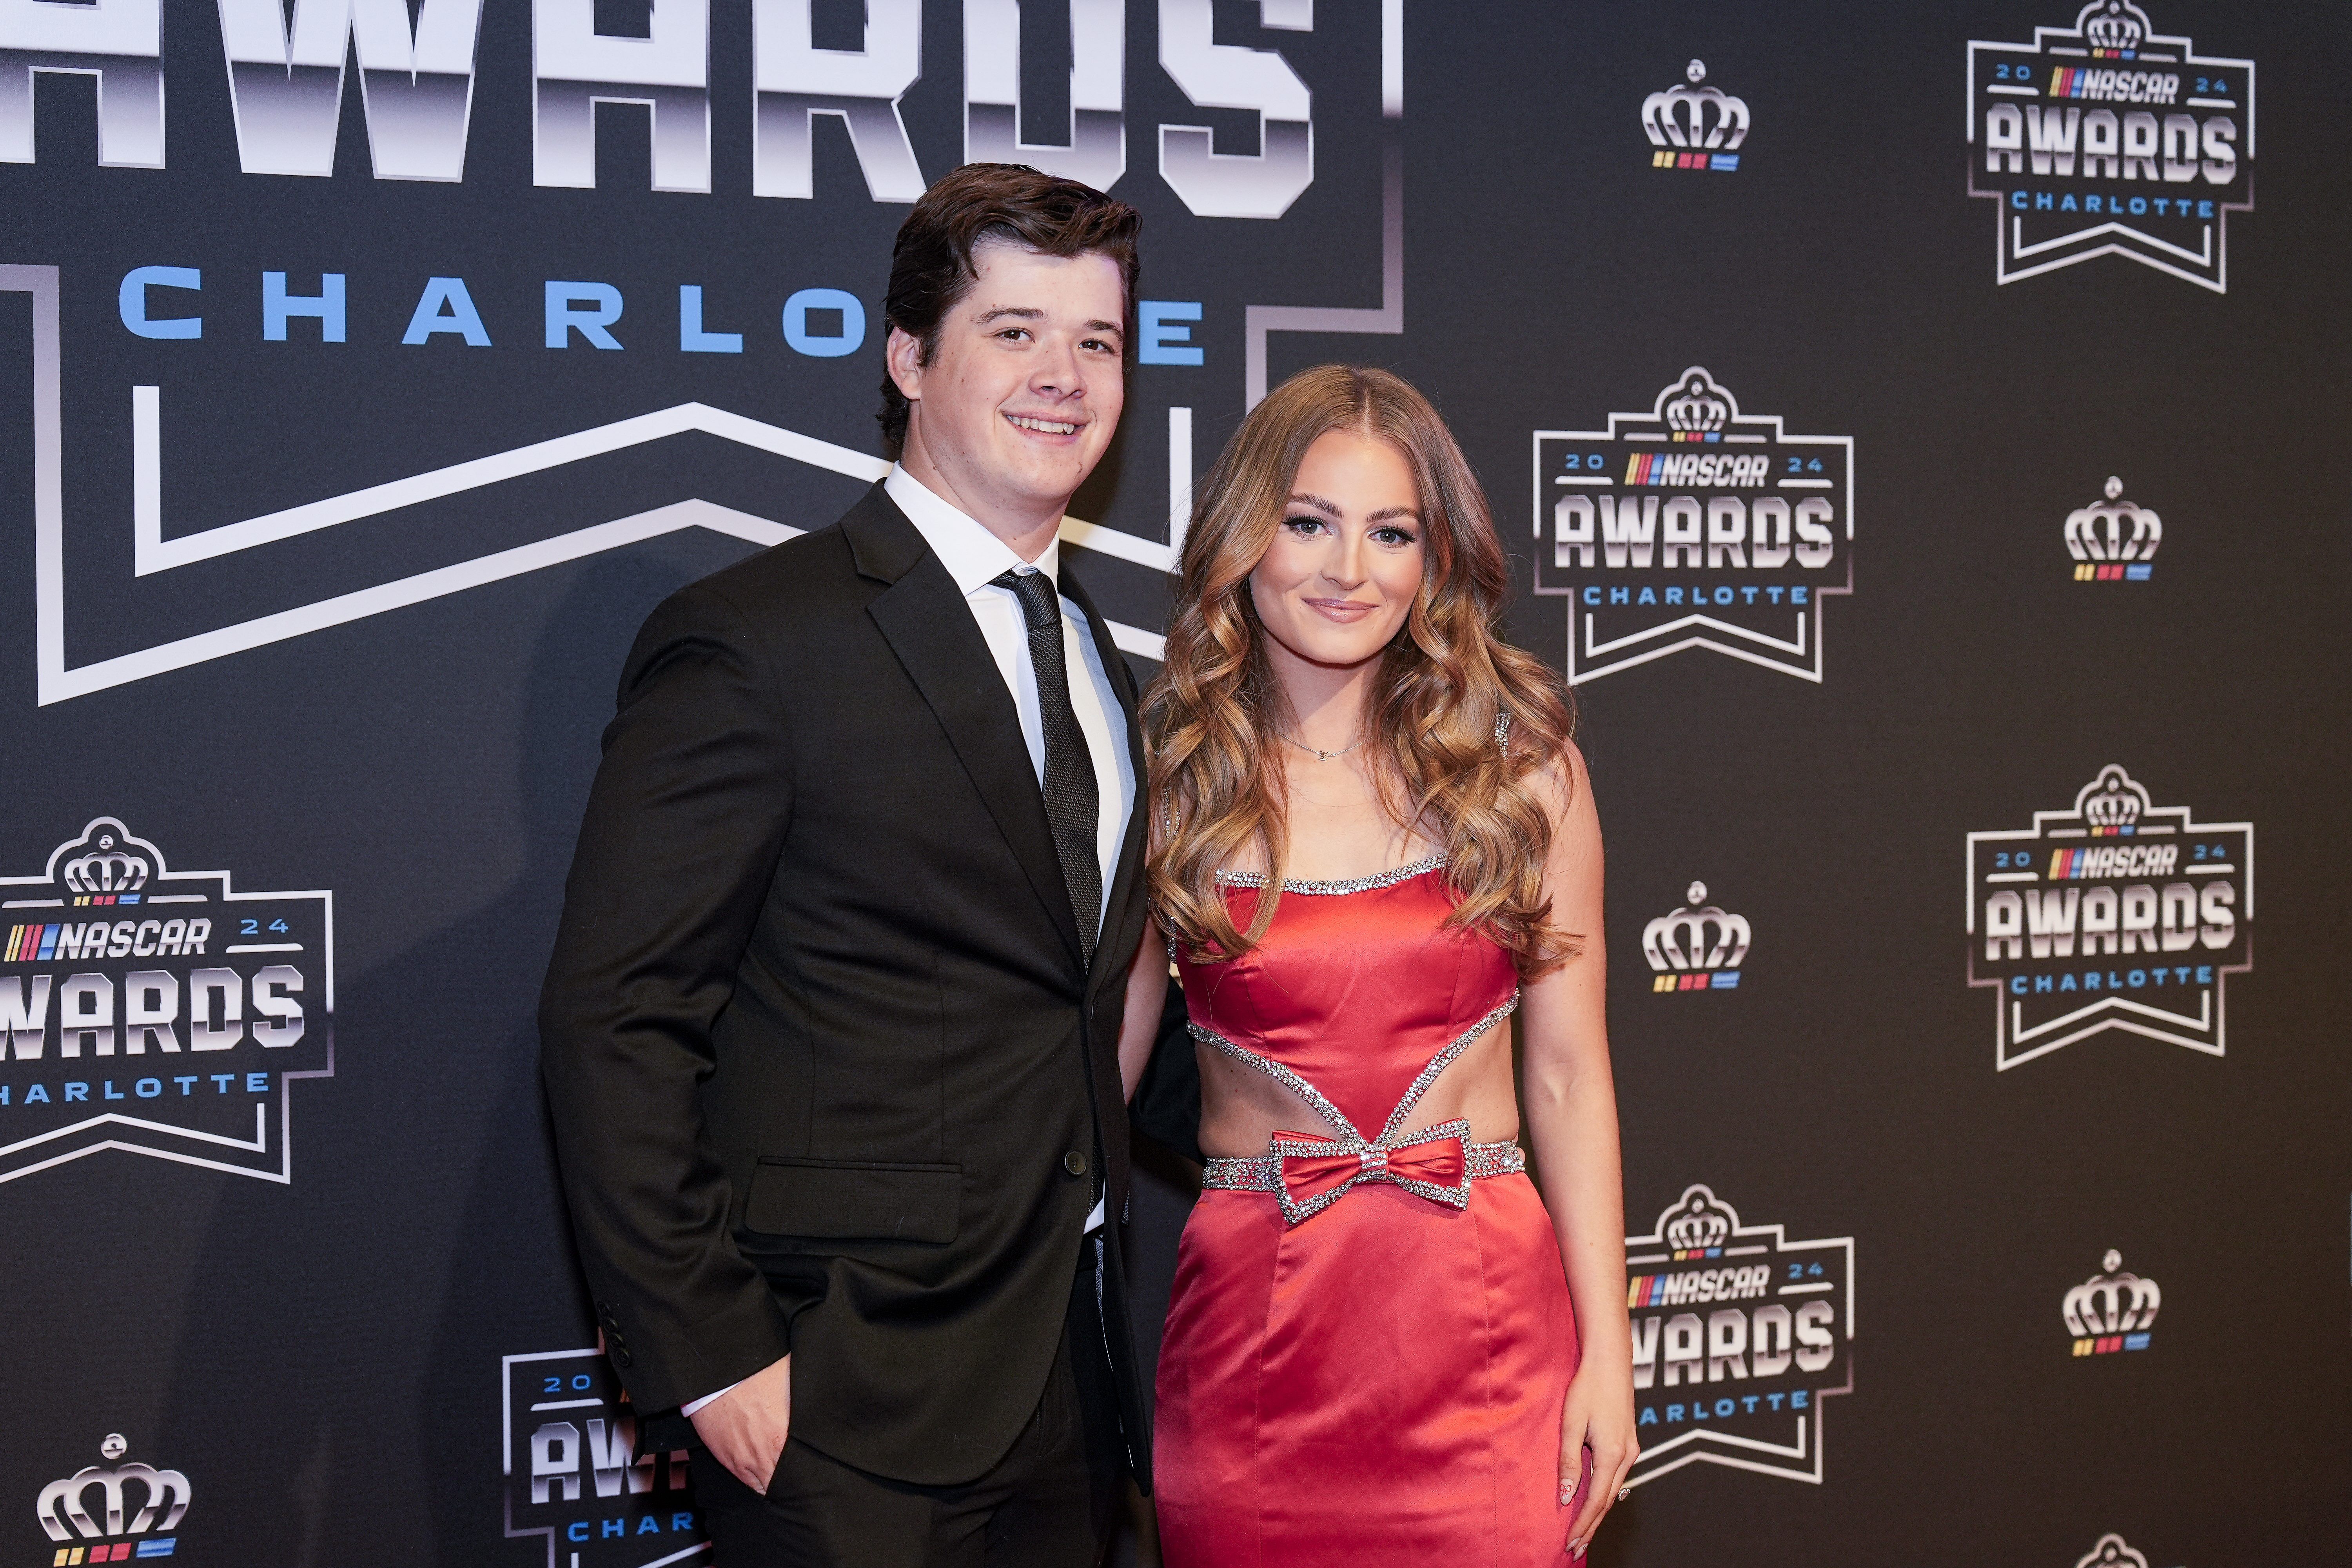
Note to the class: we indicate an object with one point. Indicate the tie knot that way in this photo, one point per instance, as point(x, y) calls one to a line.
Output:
point(1040, 606)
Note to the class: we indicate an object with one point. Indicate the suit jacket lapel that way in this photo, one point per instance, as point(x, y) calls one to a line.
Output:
point(931, 628)
point(1127, 879)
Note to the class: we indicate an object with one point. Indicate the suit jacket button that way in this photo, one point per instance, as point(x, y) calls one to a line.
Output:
point(622, 1357)
point(1075, 1163)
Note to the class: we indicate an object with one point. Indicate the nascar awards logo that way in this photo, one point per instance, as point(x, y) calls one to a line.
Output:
point(2113, 540)
point(1696, 948)
point(1739, 1335)
point(1694, 127)
point(2114, 914)
point(100, 1518)
point(157, 1012)
point(1694, 526)
point(2108, 138)
point(2113, 1309)
point(573, 1476)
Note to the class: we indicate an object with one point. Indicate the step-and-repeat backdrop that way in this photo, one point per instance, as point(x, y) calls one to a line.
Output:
point(1919, 433)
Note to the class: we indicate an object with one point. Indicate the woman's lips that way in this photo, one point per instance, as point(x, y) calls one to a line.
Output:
point(1341, 610)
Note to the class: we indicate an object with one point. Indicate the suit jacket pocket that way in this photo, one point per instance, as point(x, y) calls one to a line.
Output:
point(854, 1200)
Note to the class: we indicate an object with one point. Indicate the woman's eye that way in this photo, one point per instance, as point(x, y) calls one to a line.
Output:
point(1393, 536)
point(1303, 524)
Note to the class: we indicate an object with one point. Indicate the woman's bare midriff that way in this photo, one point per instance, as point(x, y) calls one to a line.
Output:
point(1241, 1108)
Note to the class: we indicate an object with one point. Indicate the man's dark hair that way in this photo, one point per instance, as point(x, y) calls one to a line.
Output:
point(932, 267)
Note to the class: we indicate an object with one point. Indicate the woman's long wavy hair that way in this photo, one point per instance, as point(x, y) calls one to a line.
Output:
point(1214, 719)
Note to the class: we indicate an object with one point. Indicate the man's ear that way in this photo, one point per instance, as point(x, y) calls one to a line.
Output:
point(903, 355)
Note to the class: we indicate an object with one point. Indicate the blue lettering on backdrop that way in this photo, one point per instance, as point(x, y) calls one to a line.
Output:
point(844, 340)
point(327, 305)
point(691, 338)
point(1161, 339)
point(823, 323)
point(446, 307)
point(131, 300)
point(564, 317)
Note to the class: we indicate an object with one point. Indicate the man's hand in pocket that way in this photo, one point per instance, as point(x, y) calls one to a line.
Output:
point(745, 1428)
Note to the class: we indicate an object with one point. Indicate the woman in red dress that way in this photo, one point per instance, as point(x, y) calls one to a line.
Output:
point(1372, 842)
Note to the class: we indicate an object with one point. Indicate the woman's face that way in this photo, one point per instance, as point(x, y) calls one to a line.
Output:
point(1339, 578)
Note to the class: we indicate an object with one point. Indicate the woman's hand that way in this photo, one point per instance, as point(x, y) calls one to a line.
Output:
point(1598, 1415)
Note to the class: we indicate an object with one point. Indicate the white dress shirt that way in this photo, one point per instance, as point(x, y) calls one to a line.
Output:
point(974, 556)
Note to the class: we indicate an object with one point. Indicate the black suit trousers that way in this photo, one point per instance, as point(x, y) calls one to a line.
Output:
point(1050, 1503)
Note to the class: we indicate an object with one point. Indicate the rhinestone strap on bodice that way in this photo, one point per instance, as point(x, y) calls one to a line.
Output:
point(1345, 885)
point(1308, 1174)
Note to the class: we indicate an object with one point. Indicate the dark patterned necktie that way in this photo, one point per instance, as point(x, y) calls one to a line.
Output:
point(1073, 805)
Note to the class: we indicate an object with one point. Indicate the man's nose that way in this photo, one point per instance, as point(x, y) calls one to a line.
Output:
point(1057, 371)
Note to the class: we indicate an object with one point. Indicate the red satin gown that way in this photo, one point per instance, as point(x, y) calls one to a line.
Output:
point(1371, 1337)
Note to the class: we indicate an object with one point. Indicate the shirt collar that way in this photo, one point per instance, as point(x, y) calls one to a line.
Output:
point(974, 556)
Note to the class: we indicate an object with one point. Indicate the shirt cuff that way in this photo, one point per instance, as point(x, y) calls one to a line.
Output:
point(691, 1406)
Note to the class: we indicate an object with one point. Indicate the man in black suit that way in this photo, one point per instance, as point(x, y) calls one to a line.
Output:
point(832, 1028)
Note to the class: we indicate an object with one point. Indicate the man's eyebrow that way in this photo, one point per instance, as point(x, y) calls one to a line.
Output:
point(1030, 313)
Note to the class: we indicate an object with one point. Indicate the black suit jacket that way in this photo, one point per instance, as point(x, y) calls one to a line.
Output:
point(827, 1070)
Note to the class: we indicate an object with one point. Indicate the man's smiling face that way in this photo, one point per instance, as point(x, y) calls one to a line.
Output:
point(1025, 387)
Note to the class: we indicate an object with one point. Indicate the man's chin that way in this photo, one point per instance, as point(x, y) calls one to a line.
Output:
point(1047, 480)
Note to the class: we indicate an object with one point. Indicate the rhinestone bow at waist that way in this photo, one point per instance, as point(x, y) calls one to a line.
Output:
point(1307, 1174)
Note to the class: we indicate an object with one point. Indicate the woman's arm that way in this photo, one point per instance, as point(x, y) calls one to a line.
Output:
point(1571, 1119)
point(1146, 991)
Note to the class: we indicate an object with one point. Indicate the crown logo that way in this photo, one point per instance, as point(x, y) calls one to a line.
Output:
point(2111, 1553)
point(2114, 529)
point(2112, 800)
point(66, 1502)
point(1697, 406)
point(1697, 1221)
point(2113, 1302)
point(106, 858)
point(2113, 24)
point(1694, 116)
point(108, 868)
point(1681, 940)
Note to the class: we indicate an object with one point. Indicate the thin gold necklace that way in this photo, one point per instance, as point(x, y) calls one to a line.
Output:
point(1320, 754)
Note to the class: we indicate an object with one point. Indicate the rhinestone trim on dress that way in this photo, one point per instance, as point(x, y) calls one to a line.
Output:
point(1264, 1175)
point(1254, 1175)
point(1348, 885)
point(1331, 1113)
point(1440, 1062)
